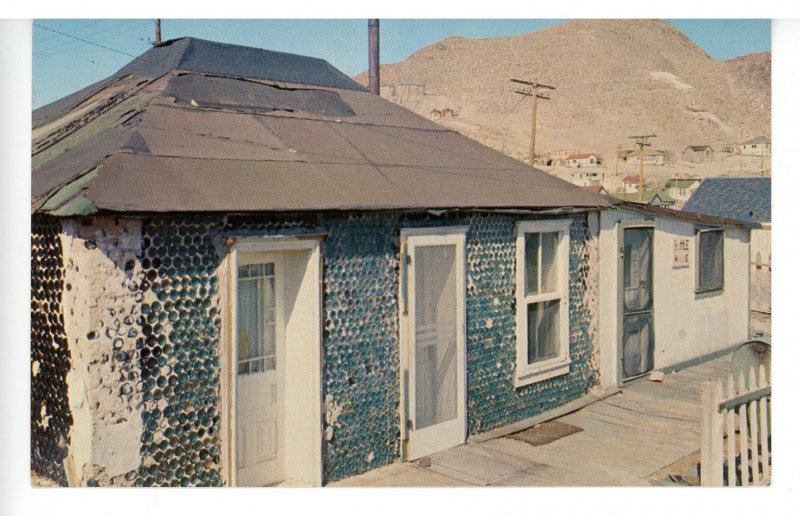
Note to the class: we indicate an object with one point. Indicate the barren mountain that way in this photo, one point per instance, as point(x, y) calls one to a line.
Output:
point(613, 79)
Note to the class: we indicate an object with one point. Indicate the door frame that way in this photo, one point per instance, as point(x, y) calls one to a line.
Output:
point(447, 235)
point(622, 226)
point(228, 298)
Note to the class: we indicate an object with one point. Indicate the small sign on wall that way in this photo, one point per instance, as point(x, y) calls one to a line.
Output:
point(680, 252)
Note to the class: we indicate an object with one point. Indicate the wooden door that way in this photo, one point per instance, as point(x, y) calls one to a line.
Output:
point(259, 369)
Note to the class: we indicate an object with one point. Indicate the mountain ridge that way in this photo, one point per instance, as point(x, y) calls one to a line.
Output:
point(613, 78)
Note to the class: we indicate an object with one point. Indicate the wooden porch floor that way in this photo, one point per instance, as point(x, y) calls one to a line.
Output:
point(637, 437)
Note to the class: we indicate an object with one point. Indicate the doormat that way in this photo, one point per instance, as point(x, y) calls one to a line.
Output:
point(545, 433)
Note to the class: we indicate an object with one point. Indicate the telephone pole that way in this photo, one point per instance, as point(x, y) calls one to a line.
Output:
point(642, 142)
point(532, 91)
point(158, 32)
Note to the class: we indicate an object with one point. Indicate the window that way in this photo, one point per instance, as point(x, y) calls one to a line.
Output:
point(542, 308)
point(710, 259)
point(256, 310)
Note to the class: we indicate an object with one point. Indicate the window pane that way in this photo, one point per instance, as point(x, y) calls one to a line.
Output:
point(711, 260)
point(543, 330)
point(531, 263)
point(637, 265)
point(250, 307)
point(549, 262)
point(256, 317)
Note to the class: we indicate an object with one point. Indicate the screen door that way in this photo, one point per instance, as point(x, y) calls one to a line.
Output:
point(638, 340)
point(435, 349)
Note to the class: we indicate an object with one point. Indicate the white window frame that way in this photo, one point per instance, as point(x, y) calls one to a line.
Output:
point(530, 373)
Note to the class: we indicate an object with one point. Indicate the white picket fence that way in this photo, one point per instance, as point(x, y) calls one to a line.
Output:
point(735, 446)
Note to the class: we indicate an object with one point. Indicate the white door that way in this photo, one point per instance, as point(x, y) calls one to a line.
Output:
point(259, 369)
point(433, 353)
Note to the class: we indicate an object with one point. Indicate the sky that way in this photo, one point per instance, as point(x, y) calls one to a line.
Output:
point(70, 54)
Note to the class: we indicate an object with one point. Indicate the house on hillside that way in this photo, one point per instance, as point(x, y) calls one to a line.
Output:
point(600, 189)
point(585, 178)
point(582, 160)
point(247, 270)
point(698, 154)
point(758, 146)
point(681, 189)
point(651, 157)
point(630, 184)
point(561, 155)
point(747, 199)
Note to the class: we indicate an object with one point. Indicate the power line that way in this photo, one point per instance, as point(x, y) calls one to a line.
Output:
point(80, 32)
point(80, 27)
point(84, 40)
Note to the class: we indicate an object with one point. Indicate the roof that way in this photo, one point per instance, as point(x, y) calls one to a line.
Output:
point(747, 199)
point(198, 55)
point(635, 153)
point(196, 126)
point(758, 139)
point(698, 148)
point(647, 197)
point(580, 156)
point(697, 218)
point(632, 178)
point(596, 188)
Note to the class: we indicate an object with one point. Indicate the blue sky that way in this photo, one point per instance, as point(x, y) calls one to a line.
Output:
point(71, 54)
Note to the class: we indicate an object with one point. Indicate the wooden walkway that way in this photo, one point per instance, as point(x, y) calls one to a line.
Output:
point(645, 435)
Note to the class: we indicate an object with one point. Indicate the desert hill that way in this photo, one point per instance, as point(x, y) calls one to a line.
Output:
point(613, 78)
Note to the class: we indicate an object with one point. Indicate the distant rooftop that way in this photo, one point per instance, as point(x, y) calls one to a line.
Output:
point(758, 139)
point(747, 199)
point(581, 156)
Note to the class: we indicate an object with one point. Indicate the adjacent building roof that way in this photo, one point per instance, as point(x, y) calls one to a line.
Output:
point(747, 199)
point(698, 148)
point(652, 198)
point(697, 218)
point(581, 156)
point(194, 126)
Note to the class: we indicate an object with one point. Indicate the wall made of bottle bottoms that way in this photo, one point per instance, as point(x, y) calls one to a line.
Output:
point(50, 358)
point(179, 346)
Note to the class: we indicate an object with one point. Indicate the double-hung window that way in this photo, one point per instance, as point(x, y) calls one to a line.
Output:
point(710, 259)
point(542, 300)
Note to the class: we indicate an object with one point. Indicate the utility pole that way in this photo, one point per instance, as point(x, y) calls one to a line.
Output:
point(532, 91)
point(158, 32)
point(642, 142)
point(616, 167)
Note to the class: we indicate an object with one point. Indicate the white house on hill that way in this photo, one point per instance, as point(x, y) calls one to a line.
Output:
point(583, 160)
